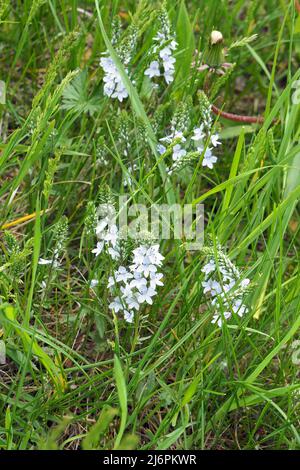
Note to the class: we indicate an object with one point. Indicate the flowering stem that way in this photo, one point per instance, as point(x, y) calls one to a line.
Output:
point(237, 117)
point(116, 339)
point(136, 334)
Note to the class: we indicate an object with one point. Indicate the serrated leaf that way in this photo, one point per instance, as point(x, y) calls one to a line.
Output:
point(76, 96)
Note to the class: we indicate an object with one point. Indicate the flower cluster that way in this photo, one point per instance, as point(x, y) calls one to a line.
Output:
point(176, 138)
point(164, 62)
point(137, 284)
point(202, 140)
point(205, 112)
point(113, 84)
point(123, 127)
point(131, 168)
point(205, 140)
point(60, 234)
point(101, 153)
point(107, 236)
point(178, 152)
point(224, 285)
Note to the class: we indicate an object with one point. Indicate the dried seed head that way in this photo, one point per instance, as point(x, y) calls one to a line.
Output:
point(216, 37)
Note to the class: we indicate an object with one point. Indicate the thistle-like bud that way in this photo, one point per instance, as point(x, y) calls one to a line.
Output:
point(181, 117)
point(127, 46)
point(116, 30)
point(158, 117)
point(91, 218)
point(205, 110)
point(11, 242)
point(105, 196)
point(214, 56)
point(16, 256)
point(141, 129)
point(60, 235)
point(123, 127)
point(52, 167)
point(101, 152)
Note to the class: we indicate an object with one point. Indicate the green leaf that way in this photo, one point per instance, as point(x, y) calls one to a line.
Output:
point(233, 171)
point(91, 440)
point(36, 253)
point(8, 428)
point(30, 345)
point(129, 442)
point(236, 401)
point(138, 107)
point(170, 439)
point(122, 394)
point(185, 39)
point(76, 96)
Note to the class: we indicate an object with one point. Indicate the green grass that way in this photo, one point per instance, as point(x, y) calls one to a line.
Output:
point(76, 375)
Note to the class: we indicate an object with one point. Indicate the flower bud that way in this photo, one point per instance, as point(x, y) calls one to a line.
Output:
point(216, 37)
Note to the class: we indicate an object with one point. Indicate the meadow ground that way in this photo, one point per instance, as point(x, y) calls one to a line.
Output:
point(129, 340)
